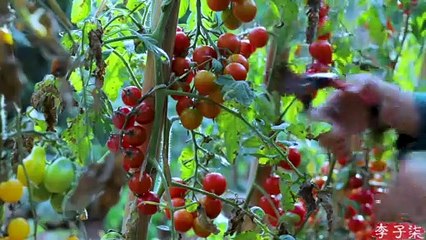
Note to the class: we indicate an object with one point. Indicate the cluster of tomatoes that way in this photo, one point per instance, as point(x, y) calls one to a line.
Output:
point(130, 120)
point(184, 220)
point(45, 182)
point(321, 49)
point(231, 52)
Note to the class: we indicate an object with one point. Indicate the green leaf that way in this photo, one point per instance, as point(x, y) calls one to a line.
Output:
point(230, 128)
point(239, 91)
point(80, 10)
point(298, 130)
point(187, 161)
point(248, 236)
point(318, 128)
point(78, 136)
point(115, 76)
point(285, 188)
point(76, 81)
point(184, 7)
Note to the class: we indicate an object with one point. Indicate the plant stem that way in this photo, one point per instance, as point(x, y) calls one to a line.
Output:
point(404, 37)
point(332, 161)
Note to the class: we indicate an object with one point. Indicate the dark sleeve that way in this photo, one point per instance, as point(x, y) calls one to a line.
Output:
point(407, 143)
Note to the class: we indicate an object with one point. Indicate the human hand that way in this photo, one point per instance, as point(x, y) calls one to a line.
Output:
point(349, 111)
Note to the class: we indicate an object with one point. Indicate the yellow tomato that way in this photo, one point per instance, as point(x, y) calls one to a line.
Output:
point(18, 228)
point(11, 191)
point(72, 237)
point(35, 165)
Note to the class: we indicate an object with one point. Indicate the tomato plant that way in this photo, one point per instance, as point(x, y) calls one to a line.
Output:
point(163, 118)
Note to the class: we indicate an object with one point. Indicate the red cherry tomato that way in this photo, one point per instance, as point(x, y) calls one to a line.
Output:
point(350, 212)
point(134, 136)
point(218, 5)
point(236, 70)
point(182, 43)
point(322, 51)
point(208, 109)
point(246, 48)
point(180, 65)
point(120, 116)
point(258, 37)
point(267, 207)
point(245, 11)
point(300, 210)
point(272, 185)
point(133, 157)
point(229, 20)
point(205, 83)
point(294, 157)
point(203, 55)
point(181, 87)
point(215, 183)
point(228, 43)
point(177, 192)
point(131, 95)
point(183, 104)
point(183, 220)
point(356, 181)
point(176, 202)
point(239, 58)
point(212, 206)
point(148, 208)
point(145, 112)
point(191, 118)
point(356, 223)
point(140, 185)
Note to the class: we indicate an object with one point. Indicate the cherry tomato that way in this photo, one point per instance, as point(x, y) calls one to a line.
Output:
point(343, 160)
point(300, 210)
point(356, 181)
point(183, 220)
point(229, 20)
point(216, 96)
point(119, 118)
point(267, 207)
point(272, 185)
point(320, 181)
point(133, 157)
point(356, 223)
point(378, 166)
point(183, 104)
point(11, 191)
point(113, 143)
point(350, 212)
point(323, 10)
point(148, 208)
point(191, 118)
point(245, 11)
point(176, 202)
point(205, 82)
point(236, 70)
point(182, 43)
point(212, 206)
point(131, 95)
point(39, 193)
point(239, 58)
point(215, 183)
point(145, 112)
point(180, 65)
point(181, 87)
point(140, 185)
point(59, 175)
point(179, 29)
point(363, 196)
point(56, 201)
point(134, 136)
point(203, 55)
point(294, 157)
point(18, 228)
point(322, 51)
point(199, 229)
point(229, 43)
point(73, 237)
point(218, 5)
point(176, 192)
point(190, 77)
point(258, 37)
point(34, 164)
point(367, 209)
point(246, 48)
point(208, 109)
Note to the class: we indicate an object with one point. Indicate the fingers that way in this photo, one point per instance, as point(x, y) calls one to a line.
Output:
point(336, 142)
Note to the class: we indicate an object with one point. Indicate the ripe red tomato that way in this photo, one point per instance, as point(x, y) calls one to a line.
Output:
point(229, 20)
point(267, 207)
point(300, 210)
point(145, 112)
point(212, 206)
point(356, 181)
point(177, 192)
point(176, 202)
point(199, 229)
point(363, 196)
point(343, 160)
point(208, 109)
point(294, 157)
point(214, 183)
point(216, 96)
point(181, 87)
point(147, 208)
point(367, 209)
point(205, 82)
point(356, 223)
point(119, 118)
point(134, 136)
point(258, 37)
point(203, 55)
point(322, 51)
point(180, 65)
point(236, 70)
point(244, 11)
point(323, 12)
point(350, 212)
point(272, 185)
point(133, 157)
point(131, 95)
point(179, 29)
point(183, 104)
point(228, 43)
point(246, 48)
point(190, 77)
point(320, 181)
point(183, 220)
point(182, 43)
point(191, 118)
point(239, 58)
point(113, 143)
point(140, 185)
point(218, 5)
point(378, 166)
